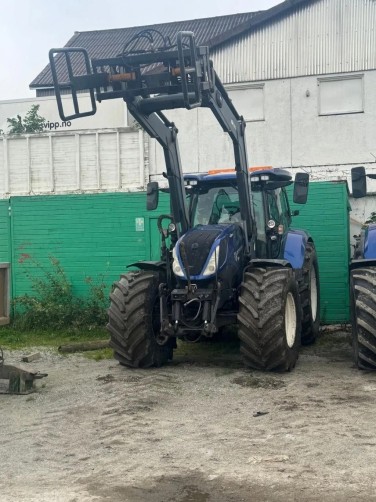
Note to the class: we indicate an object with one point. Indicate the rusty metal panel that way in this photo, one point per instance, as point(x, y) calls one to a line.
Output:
point(329, 36)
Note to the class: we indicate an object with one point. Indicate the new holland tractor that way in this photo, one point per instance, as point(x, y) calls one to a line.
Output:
point(228, 254)
point(363, 283)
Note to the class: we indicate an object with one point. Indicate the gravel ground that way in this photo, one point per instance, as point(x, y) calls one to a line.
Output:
point(200, 429)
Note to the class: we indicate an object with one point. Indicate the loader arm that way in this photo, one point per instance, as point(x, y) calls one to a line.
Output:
point(153, 81)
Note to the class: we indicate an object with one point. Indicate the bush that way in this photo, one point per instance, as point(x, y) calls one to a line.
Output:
point(371, 218)
point(54, 304)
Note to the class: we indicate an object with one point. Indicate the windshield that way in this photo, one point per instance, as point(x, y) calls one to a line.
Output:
point(221, 205)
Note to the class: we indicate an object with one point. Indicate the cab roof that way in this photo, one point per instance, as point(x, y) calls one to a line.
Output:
point(275, 174)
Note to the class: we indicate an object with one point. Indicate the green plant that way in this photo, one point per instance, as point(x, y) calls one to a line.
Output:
point(32, 122)
point(54, 305)
point(372, 217)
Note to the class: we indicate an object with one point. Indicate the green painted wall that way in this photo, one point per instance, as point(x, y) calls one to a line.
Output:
point(89, 234)
point(326, 217)
point(93, 235)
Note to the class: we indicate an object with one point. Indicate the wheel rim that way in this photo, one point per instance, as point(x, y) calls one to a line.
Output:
point(313, 294)
point(290, 320)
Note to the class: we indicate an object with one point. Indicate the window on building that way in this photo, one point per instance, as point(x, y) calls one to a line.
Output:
point(339, 95)
point(249, 101)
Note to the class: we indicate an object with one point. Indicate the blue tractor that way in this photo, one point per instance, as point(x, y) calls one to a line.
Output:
point(363, 283)
point(228, 253)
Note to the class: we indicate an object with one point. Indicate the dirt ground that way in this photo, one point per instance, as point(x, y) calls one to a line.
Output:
point(200, 429)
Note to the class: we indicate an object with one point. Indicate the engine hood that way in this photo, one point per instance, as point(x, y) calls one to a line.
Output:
point(200, 243)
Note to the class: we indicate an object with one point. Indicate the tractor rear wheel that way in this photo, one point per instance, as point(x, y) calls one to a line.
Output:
point(363, 316)
point(134, 321)
point(269, 319)
point(309, 290)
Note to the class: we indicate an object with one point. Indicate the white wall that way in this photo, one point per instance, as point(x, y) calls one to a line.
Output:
point(287, 131)
point(72, 162)
point(316, 38)
point(292, 134)
point(109, 113)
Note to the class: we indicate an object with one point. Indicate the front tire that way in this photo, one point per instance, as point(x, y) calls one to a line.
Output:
point(269, 319)
point(363, 316)
point(134, 321)
point(309, 290)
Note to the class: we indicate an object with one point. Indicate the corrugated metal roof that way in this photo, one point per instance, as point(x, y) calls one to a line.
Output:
point(109, 43)
point(212, 32)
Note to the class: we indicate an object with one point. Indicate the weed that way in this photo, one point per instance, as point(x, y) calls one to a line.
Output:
point(99, 355)
point(54, 304)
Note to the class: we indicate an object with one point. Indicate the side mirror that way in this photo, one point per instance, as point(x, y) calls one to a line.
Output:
point(152, 195)
point(301, 188)
point(359, 182)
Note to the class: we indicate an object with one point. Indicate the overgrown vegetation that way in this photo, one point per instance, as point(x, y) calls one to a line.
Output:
point(53, 304)
point(372, 218)
point(32, 122)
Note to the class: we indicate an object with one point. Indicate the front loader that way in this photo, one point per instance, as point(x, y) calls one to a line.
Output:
point(363, 283)
point(228, 253)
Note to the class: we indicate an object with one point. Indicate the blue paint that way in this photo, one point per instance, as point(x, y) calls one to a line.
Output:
point(231, 250)
point(370, 242)
point(295, 245)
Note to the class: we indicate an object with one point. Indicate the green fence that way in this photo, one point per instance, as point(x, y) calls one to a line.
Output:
point(96, 236)
point(326, 217)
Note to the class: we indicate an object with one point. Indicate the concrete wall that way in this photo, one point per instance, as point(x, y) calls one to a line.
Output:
point(292, 134)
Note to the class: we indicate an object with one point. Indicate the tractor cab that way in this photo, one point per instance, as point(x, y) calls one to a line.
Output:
point(214, 200)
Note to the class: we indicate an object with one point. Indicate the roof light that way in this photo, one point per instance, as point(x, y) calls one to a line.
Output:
point(219, 171)
point(259, 168)
point(250, 169)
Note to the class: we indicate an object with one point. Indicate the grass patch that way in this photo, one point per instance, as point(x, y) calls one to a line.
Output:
point(99, 355)
point(13, 339)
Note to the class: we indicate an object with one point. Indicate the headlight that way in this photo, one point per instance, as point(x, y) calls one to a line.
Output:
point(171, 227)
point(212, 265)
point(175, 264)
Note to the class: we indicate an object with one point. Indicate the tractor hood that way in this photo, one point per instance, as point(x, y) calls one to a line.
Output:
point(205, 249)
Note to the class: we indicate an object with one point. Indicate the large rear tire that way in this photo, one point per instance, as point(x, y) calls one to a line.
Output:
point(134, 321)
point(309, 290)
point(363, 316)
point(269, 319)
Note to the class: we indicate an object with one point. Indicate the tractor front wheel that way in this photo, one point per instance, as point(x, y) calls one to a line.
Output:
point(269, 319)
point(363, 316)
point(309, 289)
point(134, 321)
